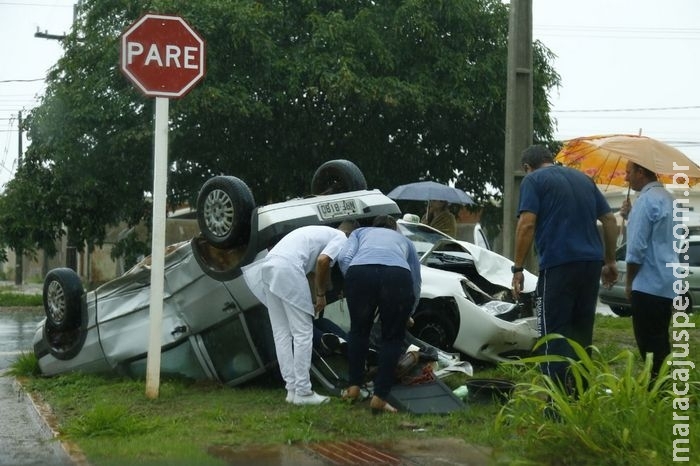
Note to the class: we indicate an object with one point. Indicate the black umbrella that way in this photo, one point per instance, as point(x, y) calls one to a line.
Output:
point(430, 191)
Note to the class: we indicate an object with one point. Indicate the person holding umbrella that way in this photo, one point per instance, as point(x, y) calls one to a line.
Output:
point(559, 208)
point(438, 216)
point(650, 247)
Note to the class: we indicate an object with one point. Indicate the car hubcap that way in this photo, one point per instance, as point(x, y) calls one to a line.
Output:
point(56, 302)
point(219, 212)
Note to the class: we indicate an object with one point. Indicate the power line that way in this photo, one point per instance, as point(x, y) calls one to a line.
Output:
point(647, 33)
point(34, 4)
point(640, 109)
point(21, 80)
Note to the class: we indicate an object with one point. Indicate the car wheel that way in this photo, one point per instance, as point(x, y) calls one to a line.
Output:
point(62, 295)
point(224, 207)
point(337, 176)
point(622, 311)
point(433, 329)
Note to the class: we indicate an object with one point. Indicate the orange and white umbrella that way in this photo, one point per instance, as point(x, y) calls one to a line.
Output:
point(604, 159)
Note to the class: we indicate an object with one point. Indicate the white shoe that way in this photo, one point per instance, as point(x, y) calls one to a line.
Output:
point(290, 396)
point(312, 399)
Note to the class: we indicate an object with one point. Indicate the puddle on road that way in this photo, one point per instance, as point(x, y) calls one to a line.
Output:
point(417, 452)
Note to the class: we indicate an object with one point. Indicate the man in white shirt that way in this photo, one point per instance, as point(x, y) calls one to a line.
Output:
point(279, 282)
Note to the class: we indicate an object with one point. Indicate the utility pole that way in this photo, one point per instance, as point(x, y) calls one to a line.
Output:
point(519, 111)
point(71, 249)
point(19, 252)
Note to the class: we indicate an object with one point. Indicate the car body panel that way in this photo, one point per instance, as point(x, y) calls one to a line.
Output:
point(489, 264)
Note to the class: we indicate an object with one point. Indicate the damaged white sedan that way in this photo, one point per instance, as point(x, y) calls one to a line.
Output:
point(473, 313)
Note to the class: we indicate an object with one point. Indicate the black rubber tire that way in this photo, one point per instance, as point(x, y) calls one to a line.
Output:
point(224, 207)
point(434, 329)
point(62, 297)
point(621, 311)
point(337, 176)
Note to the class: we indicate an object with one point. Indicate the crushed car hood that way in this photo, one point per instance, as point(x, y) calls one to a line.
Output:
point(490, 265)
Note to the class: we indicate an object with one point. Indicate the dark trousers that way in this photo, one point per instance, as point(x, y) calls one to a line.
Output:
point(651, 317)
point(567, 296)
point(390, 290)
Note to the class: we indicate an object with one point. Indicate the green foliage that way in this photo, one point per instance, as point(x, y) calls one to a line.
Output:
point(608, 422)
point(25, 365)
point(110, 420)
point(407, 90)
point(14, 299)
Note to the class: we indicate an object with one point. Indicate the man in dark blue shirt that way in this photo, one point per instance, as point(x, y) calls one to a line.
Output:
point(559, 208)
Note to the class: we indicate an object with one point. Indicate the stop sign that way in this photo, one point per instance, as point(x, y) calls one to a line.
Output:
point(162, 55)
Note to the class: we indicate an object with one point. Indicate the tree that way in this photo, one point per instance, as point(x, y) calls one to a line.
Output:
point(406, 89)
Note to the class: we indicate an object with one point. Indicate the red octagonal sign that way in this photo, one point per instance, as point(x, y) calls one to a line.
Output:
point(162, 55)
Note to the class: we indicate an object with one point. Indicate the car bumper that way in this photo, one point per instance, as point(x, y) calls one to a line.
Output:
point(484, 336)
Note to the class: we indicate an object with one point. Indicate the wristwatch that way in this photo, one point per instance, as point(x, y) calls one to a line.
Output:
point(515, 269)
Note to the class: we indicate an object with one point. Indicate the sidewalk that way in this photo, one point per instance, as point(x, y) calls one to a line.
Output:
point(25, 438)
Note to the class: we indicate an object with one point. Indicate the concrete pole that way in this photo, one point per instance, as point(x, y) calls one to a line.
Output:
point(19, 253)
point(519, 110)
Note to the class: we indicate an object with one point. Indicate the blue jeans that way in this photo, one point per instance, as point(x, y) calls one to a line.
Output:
point(369, 288)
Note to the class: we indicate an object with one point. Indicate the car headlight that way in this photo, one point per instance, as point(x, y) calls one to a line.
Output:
point(498, 308)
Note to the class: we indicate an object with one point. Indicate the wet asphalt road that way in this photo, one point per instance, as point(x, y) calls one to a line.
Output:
point(24, 437)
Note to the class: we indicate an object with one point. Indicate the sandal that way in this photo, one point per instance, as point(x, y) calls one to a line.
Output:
point(351, 394)
point(379, 406)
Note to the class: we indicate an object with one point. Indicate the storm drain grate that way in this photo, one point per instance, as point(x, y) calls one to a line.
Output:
point(353, 453)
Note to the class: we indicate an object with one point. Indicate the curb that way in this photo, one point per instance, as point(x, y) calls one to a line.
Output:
point(48, 424)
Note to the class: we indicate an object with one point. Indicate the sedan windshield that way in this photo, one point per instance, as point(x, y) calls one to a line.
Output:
point(423, 238)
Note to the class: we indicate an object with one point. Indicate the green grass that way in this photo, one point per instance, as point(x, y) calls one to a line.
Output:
point(622, 418)
point(11, 298)
point(114, 423)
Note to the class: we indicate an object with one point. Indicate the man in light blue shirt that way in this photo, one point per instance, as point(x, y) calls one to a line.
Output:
point(649, 286)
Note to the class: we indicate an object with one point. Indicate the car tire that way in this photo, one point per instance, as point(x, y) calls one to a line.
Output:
point(62, 296)
point(434, 329)
point(224, 208)
point(337, 176)
point(621, 311)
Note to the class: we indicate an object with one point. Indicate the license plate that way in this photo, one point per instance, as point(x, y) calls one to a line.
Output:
point(335, 209)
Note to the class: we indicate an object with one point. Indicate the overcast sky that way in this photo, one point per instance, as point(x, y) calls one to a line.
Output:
point(626, 66)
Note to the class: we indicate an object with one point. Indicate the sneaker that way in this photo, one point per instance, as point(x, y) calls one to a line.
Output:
point(312, 399)
point(290, 396)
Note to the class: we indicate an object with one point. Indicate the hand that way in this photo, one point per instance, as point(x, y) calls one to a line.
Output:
point(410, 322)
point(517, 285)
point(320, 303)
point(609, 275)
point(625, 208)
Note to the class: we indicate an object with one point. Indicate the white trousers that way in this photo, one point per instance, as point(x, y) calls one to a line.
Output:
point(292, 330)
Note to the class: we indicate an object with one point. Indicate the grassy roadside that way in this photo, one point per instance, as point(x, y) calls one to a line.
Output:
point(10, 296)
point(113, 423)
